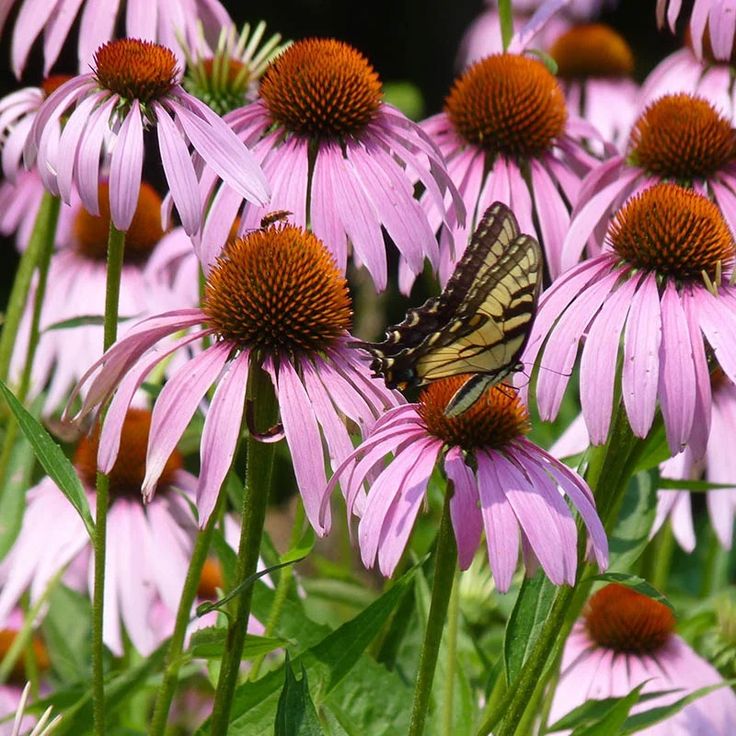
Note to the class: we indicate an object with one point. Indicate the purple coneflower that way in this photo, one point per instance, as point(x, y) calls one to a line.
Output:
point(338, 158)
point(682, 71)
point(274, 298)
point(594, 65)
point(626, 639)
point(506, 122)
point(149, 547)
point(712, 25)
point(679, 137)
point(165, 21)
point(660, 283)
point(134, 85)
point(503, 484)
point(75, 290)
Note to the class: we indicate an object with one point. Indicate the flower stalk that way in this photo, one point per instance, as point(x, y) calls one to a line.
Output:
point(255, 501)
point(165, 694)
point(115, 253)
point(46, 228)
point(41, 241)
point(444, 574)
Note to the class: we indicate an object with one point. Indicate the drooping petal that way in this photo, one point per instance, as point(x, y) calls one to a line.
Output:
point(562, 347)
point(598, 362)
point(175, 407)
point(464, 508)
point(220, 434)
point(501, 525)
point(676, 371)
point(89, 155)
point(126, 167)
point(403, 512)
point(179, 170)
point(305, 443)
point(640, 373)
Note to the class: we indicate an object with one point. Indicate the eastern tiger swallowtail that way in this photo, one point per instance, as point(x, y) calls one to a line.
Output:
point(479, 324)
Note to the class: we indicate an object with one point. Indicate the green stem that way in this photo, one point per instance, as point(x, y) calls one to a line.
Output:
point(444, 573)
point(115, 253)
point(44, 248)
point(608, 473)
point(507, 22)
point(453, 619)
point(665, 548)
point(286, 576)
point(42, 239)
point(255, 500)
point(165, 694)
point(715, 564)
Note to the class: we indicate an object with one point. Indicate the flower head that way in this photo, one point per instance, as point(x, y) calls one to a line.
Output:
point(274, 299)
point(134, 85)
point(594, 65)
point(74, 301)
point(227, 76)
point(140, 576)
point(339, 158)
point(660, 282)
point(679, 138)
point(501, 483)
point(626, 639)
point(506, 115)
point(163, 21)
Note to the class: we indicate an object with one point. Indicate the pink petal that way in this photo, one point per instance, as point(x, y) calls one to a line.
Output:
point(304, 441)
point(554, 219)
point(402, 514)
point(466, 517)
point(501, 525)
point(640, 374)
point(598, 362)
point(175, 407)
point(218, 145)
point(89, 154)
point(220, 435)
point(179, 170)
point(561, 350)
point(126, 168)
point(676, 371)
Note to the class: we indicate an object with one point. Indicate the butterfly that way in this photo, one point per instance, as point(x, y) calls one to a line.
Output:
point(480, 322)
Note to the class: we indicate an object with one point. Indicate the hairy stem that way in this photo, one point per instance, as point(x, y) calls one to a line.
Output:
point(255, 501)
point(115, 252)
point(444, 573)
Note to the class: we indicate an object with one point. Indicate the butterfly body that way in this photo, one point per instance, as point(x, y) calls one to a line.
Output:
point(479, 324)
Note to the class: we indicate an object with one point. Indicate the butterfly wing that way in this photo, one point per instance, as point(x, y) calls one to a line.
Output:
point(480, 322)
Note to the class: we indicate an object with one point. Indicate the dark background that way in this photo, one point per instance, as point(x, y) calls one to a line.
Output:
point(406, 40)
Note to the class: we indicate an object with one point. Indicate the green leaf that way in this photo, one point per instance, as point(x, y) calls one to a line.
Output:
point(599, 717)
point(328, 663)
point(296, 714)
point(635, 583)
point(630, 536)
point(54, 461)
point(66, 632)
point(546, 59)
point(87, 319)
point(656, 449)
point(694, 486)
point(210, 606)
point(13, 496)
point(529, 614)
point(209, 643)
point(647, 718)
point(302, 548)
